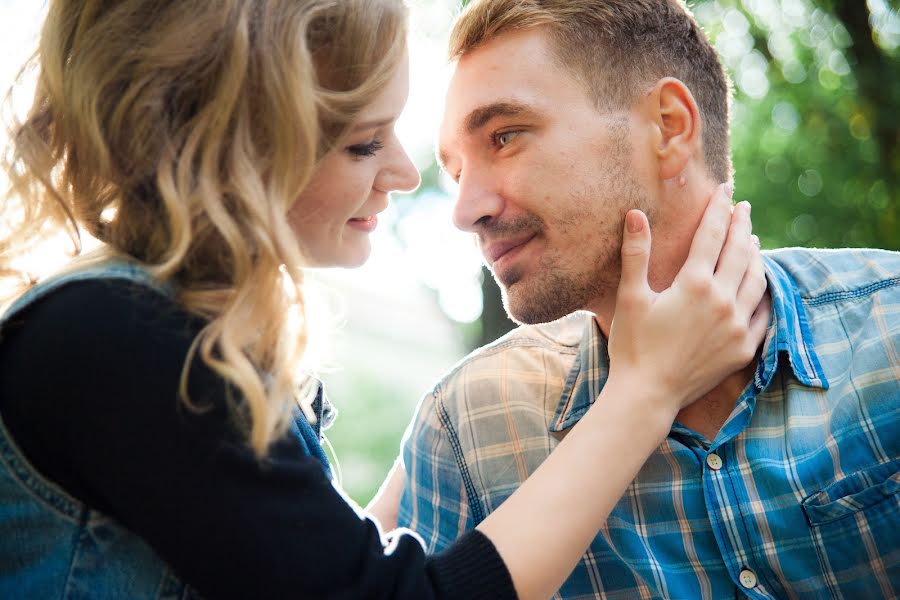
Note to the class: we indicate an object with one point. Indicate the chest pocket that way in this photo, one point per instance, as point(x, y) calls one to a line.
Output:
point(855, 523)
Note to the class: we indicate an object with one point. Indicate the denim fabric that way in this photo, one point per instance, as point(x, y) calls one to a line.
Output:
point(54, 546)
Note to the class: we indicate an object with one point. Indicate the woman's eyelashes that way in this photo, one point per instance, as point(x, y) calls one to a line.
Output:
point(367, 149)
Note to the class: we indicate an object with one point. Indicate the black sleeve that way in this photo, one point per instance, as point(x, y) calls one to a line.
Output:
point(88, 388)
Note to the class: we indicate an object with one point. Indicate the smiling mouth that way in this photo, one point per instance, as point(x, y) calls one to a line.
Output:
point(498, 251)
point(364, 224)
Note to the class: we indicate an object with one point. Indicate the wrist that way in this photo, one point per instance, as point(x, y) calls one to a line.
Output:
point(648, 401)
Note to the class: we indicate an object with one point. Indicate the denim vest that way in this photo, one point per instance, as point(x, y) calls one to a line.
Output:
point(53, 545)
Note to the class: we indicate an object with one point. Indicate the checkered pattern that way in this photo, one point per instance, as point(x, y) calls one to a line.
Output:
point(796, 497)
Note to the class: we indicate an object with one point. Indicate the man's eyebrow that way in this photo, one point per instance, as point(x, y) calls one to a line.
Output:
point(481, 116)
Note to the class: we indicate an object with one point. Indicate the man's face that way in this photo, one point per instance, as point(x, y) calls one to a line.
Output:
point(544, 178)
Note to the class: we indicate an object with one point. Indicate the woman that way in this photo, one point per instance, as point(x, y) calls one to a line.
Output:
point(151, 443)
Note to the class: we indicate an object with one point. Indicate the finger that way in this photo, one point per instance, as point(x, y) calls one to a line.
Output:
point(759, 325)
point(635, 256)
point(753, 286)
point(736, 256)
point(711, 233)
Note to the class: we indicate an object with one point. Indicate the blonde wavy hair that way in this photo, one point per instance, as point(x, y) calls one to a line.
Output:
point(179, 133)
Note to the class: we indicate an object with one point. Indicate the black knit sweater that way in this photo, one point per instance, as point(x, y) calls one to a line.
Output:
point(88, 388)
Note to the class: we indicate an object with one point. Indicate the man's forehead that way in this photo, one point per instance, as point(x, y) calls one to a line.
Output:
point(475, 99)
point(496, 69)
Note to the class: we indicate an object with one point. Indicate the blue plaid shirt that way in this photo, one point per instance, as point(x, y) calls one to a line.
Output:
point(796, 497)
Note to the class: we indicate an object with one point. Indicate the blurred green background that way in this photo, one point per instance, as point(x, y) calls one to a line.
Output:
point(816, 144)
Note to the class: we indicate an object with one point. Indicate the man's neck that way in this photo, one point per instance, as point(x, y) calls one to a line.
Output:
point(678, 212)
point(708, 414)
point(678, 217)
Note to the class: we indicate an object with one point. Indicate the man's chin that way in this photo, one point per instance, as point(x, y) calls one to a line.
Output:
point(534, 317)
point(527, 309)
point(506, 278)
point(551, 296)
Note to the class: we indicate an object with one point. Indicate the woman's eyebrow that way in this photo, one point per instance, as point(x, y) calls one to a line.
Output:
point(374, 124)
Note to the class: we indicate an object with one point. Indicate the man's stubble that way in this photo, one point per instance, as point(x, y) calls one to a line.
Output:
point(588, 269)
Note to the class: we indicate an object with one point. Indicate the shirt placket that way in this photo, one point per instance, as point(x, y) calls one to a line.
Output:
point(724, 491)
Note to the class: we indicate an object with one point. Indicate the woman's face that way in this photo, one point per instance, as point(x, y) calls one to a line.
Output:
point(337, 211)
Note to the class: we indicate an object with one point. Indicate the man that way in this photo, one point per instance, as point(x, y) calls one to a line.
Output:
point(783, 481)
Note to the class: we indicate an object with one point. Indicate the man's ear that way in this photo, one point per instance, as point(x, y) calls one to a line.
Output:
point(677, 118)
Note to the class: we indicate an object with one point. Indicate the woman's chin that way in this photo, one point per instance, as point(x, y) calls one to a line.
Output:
point(355, 263)
point(340, 258)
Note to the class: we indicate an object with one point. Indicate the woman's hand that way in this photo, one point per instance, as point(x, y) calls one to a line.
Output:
point(666, 350)
point(684, 341)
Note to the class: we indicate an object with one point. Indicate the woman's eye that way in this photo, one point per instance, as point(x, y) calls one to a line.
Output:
point(502, 139)
point(368, 149)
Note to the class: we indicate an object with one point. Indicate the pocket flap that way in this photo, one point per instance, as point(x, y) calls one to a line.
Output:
point(853, 493)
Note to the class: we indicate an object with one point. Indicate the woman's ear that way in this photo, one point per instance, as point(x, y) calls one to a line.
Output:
point(677, 118)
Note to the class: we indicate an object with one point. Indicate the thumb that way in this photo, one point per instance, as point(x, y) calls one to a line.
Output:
point(635, 253)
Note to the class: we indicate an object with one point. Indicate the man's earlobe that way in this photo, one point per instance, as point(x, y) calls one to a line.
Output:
point(678, 119)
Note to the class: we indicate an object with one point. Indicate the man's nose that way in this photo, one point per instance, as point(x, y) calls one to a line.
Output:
point(478, 198)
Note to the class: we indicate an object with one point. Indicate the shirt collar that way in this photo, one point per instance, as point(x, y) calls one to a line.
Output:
point(788, 336)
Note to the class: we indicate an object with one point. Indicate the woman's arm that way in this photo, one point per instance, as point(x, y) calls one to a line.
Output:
point(703, 321)
point(386, 502)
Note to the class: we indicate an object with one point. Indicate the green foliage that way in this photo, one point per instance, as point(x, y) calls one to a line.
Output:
point(817, 154)
point(366, 434)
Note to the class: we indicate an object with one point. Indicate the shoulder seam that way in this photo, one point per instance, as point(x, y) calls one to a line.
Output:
point(486, 351)
point(453, 437)
point(830, 297)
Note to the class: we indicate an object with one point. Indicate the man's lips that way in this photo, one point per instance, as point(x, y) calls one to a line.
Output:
point(496, 250)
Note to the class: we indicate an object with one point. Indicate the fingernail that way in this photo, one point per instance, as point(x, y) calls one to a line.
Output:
point(755, 240)
point(729, 189)
point(633, 222)
point(746, 206)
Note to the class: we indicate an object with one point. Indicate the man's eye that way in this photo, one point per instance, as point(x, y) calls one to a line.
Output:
point(504, 138)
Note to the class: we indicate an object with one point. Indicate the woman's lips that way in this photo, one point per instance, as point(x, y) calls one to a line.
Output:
point(365, 224)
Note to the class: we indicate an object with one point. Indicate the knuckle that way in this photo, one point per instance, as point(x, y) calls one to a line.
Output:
point(721, 306)
point(739, 333)
point(633, 250)
point(718, 234)
point(722, 311)
point(741, 240)
point(629, 299)
point(697, 285)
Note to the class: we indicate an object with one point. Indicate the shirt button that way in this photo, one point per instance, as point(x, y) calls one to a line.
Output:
point(747, 578)
point(714, 462)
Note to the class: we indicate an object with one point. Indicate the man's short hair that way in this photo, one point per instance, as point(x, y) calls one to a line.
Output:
point(616, 48)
